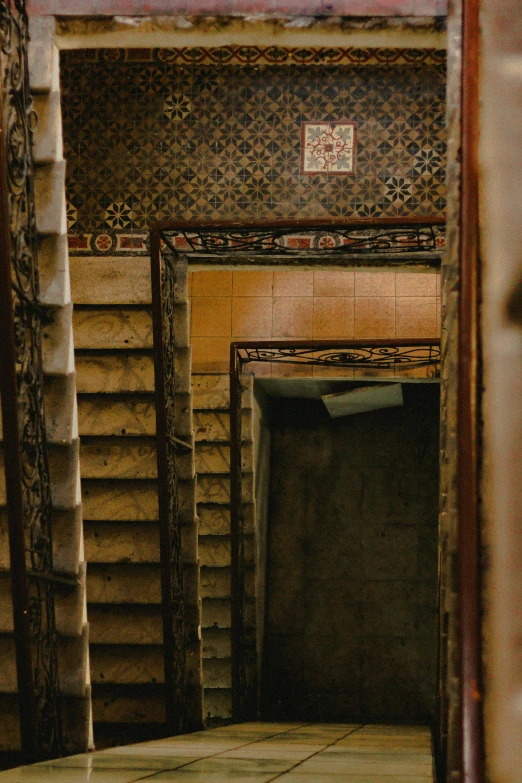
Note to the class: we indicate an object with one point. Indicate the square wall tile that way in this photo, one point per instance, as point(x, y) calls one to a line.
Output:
point(251, 316)
point(212, 283)
point(210, 354)
point(374, 316)
point(252, 283)
point(415, 284)
point(375, 284)
point(294, 283)
point(416, 316)
point(292, 316)
point(334, 283)
point(333, 316)
point(211, 316)
point(328, 147)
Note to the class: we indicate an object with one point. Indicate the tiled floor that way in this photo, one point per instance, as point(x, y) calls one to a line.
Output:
point(254, 753)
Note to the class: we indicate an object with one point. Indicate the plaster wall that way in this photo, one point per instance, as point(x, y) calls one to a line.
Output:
point(352, 562)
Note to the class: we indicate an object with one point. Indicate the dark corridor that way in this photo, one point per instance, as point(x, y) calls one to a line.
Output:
point(351, 619)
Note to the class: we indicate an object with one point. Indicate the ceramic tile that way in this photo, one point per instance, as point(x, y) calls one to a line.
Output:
point(334, 282)
point(415, 284)
point(292, 316)
point(374, 316)
point(252, 283)
point(293, 283)
point(104, 760)
point(328, 147)
point(416, 316)
point(210, 354)
point(251, 316)
point(189, 776)
point(295, 753)
point(211, 283)
point(374, 284)
point(333, 317)
point(211, 316)
point(227, 765)
point(59, 774)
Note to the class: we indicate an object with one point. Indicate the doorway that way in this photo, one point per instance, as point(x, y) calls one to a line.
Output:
point(351, 569)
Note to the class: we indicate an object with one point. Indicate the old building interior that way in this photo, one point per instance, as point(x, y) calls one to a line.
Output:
point(260, 388)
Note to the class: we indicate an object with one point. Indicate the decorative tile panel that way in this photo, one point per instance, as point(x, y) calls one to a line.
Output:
point(328, 147)
point(216, 134)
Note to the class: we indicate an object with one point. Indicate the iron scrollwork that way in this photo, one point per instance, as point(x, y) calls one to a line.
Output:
point(335, 240)
point(36, 517)
point(390, 357)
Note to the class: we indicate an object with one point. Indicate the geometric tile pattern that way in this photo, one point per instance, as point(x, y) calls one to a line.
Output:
point(328, 147)
point(156, 134)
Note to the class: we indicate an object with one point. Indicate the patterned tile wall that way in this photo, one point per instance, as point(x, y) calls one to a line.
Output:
point(155, 134)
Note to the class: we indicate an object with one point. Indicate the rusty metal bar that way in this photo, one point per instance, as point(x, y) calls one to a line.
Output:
point(300, 223)
point(469, 401)
point(173, 698)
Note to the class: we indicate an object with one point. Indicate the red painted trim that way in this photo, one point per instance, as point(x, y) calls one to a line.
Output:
point(238, 7)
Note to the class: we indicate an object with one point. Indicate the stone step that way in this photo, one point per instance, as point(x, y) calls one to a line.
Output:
point(214, 551)
point(9, 723)
point(110, 280)
point(215, 457)
point(123, 584)
point(49, 195)
point(212, 392)
point(218, 703)
point(103, 415)
point(215, 582)
point(118, 457)
point(215, 488)
point(42, 54)
point(6, 608)
point(214, 520)
point(119, 500)
point(121, 664)
point(218, 674)
point(48, 136)
point(216, 613)
point(121, 542)
point(114, 373)
point(128, 704)
point(8, 682)
point(126, 625)
point(216, 643)
point(60, 409)
point(57, 341)
point(112, 328)
point(53, 268)
point(214, 426)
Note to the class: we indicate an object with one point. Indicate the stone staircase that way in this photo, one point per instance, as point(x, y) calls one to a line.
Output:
point(212, 432)
point(116, 413)
point(61, 424)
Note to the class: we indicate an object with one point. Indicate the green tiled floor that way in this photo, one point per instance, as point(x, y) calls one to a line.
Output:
point(254, 753)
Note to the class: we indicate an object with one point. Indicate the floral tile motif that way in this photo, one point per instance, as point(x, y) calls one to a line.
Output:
point(328, 147)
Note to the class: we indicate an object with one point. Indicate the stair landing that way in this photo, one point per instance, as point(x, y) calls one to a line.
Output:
point(254, 753)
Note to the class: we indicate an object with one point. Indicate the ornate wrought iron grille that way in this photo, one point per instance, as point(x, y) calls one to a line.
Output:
point(375, 357)
point(163, 268)
point(321, 240)
point(26, 465)
point(386, 356)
